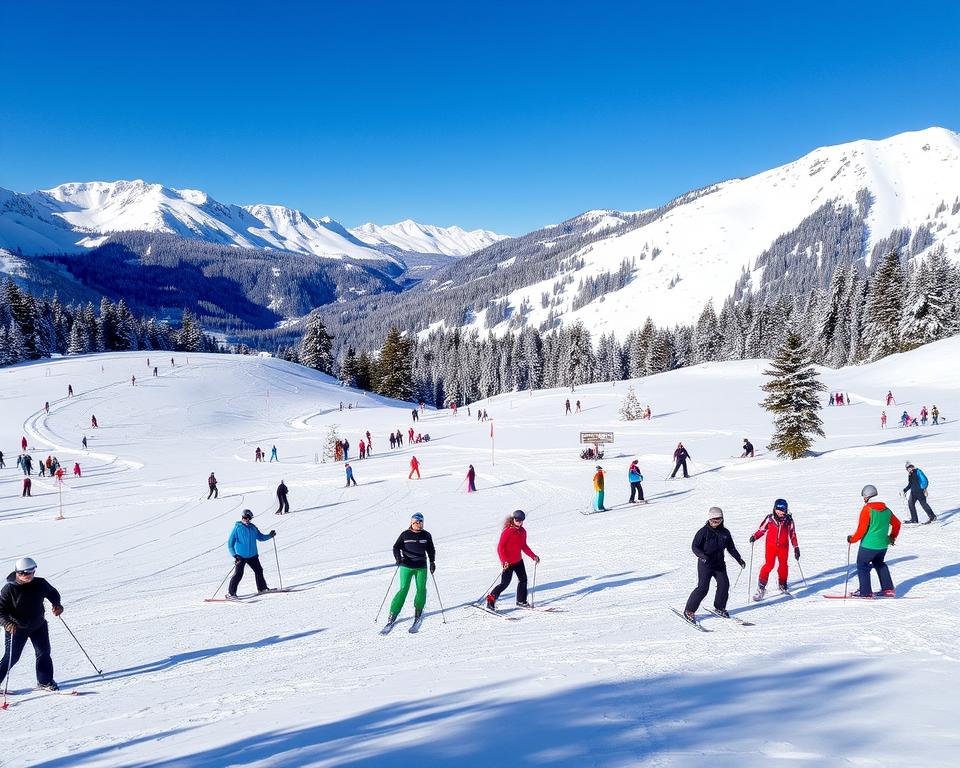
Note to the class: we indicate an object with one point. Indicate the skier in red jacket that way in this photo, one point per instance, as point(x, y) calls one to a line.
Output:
point(780, 531)
point(414, 467)
point(511, 548)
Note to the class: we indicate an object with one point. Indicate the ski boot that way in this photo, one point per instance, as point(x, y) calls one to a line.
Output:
point(889, 593)
point(51, 686)
point(523, 604)
point(784, 589)
point(759, 594)
point(391, 617)
point(491, 603)
point(417, 614)
point(722, 613)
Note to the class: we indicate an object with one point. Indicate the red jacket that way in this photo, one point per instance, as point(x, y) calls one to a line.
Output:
point(778, 531)
point(513, 542)
point(414, 463)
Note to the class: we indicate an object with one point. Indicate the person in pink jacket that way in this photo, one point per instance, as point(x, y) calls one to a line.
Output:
point(510, 549)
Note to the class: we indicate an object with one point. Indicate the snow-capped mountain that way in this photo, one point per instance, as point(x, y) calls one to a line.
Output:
point(78, 215)
point(408, 235)
point(699, 246)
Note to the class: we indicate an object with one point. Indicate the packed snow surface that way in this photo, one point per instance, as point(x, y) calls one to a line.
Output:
point(613, 678)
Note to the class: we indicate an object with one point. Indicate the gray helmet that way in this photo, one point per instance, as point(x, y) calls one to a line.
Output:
point(26, 565)
point(909, 466)
point(714, 512)
point(869, 491)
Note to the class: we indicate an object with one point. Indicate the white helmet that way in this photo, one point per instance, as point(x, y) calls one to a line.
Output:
point(26, 564)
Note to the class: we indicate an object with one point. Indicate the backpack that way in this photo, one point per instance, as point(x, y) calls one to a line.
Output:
point(922, 478)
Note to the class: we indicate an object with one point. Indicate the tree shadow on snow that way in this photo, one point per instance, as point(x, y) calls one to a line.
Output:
point(671, 716)
point(894, 441)
point(188, 657)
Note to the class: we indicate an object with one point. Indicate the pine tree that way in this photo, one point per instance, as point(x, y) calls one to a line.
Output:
point(395, 375)
point(630, 408)
point(661, 356)
point(885, 308)
point(706, 336)
point(926, 315)
point(792, 396)
point(316, 346)
point(579, 358)
point(190, 337)
point(348, 369)
point(79, 338)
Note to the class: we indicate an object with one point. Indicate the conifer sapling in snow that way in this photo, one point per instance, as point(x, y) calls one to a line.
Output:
point(630, 409)
point(793, 398)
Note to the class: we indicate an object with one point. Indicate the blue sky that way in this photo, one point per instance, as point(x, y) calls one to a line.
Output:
point(498, 115)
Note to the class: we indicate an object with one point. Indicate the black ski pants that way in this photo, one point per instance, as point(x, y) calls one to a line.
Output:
point(705, 572)
point(14, 645)
point(636, 489)
point(213, 492)
point(681, 463)
point(254, 563)
point(912, 503)
point(284, 504)
point(521, 571)
point(872, 558)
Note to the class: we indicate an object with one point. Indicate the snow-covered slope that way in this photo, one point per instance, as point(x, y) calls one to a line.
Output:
point(611, 679)
point(698, 249)
point(424, 238)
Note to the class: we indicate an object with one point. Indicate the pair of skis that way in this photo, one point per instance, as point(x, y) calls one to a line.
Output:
point(71, 692)
point(414, 628)
point(248, 598)
point(694, 622)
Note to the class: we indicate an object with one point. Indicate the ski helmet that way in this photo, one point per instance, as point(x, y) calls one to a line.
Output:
point(247, 515)
point(909, 465)
point(26, 565)
point(715, 512)
point(781, 504)
point(416, 517)
point(869, 491)
point(519, 514)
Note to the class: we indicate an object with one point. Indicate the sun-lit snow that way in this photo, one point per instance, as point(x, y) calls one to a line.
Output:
point(304, 679)
point(424, 238)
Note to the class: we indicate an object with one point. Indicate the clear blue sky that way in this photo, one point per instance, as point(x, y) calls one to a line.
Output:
point(498, 115)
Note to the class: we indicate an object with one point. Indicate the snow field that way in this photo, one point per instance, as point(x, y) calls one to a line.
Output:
point(303, 678)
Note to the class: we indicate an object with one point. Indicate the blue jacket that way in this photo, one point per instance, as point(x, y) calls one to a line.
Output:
point(635, 476)
point(243, 540)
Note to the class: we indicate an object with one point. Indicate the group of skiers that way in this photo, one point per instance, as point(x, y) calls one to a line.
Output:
point(906, 420)
point(259, 454)
point(838, 398)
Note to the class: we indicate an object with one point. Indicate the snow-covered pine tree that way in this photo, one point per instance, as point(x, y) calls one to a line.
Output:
point(661, 356)
point(330, 445)
point(316, 345)
point(533, 355)
point(732, 331)
point(832, 323)
point(793, 398)
point(639, 348)
point(79, 338)
point(394, 368)
point(707, 340)
point(348, 369)
point(926, 314)
point(630, 408)
point(885, 308)
point(579, 360)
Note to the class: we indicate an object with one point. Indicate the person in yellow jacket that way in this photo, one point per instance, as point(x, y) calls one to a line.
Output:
point(598, 490)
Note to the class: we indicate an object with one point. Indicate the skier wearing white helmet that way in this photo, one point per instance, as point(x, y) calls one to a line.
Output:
point(22, 617)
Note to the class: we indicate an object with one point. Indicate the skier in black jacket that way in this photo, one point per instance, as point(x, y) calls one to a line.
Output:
point(22, 617)
point(709, 545)
point(282, 499)
point(680, 456)
point(411, 551)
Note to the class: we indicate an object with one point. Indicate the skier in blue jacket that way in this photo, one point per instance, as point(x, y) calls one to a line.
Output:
point(242, 546)
point(636, 478)
point(917, 486)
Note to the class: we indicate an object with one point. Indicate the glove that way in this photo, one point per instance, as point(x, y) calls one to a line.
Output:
point(893, 541)
point(702, 559)
point(11, 627)
point(850, 539)
point(536, 558)
point(272, 534)
point(796, 552)
point(506, 565)
point(237, 558)
point(743, 564)
point(57, 610)
point(753, 539)
point(433, 567)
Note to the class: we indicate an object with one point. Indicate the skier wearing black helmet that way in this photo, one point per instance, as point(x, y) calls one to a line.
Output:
point(708, 545)
point(510, 549)
point(242, 546)
point(780, 532)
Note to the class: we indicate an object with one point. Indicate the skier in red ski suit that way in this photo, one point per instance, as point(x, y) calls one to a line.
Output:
point(781, 532)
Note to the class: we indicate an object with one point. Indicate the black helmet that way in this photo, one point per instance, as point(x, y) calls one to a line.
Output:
point(781, 504)
point(519, 514)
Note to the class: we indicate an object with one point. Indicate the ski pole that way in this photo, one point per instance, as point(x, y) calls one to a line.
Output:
point(750, 574)
point(437, 590)
point(392, 577)
point(847, 580)
point(8, 655)
point(99, 671)
point(800, 567)
point(276, 555)
point(533, 588)
point(217, 590)
point(487, 590)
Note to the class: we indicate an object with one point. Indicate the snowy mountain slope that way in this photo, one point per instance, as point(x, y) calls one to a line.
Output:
point(424, 238)
point(615, 679)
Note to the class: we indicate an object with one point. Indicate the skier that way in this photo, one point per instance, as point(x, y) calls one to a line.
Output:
point(904, 419)
point(363, 449)
point(877, 529)
point(471, 480)
point(935, 415)
point(369, 444)
point(411, 551)
point(410, 436)
point(27, 464)
point(93, 422)
point(747, 449)
point(273, 455)
point(780, 531)
point(923, 415)
point(917, 486)
point(349, 470)
point(636, 489)
point(890, 400)
point(510, 550)
point(258, 455)
point(578, 406)
point(567, 406)
point(46, 406)
point(831, 400)
point(415, 414)
point(2, 464)
point(212, 483)
point(414, 467)
point(60, 473)
point(680, 456)
point(400, 438)
point(346, 449)
point(839, 398)
point(76, 469)
point(22, 616)
point(27, 485)
point(23, 443)
point(155, 374)
point(69, 390)
point(282, 499)
point(708, 545)
point(133, 381)
point(84, 442)
point(242, 546)
point(598, 488)
point(393, 441)
point(883, 419)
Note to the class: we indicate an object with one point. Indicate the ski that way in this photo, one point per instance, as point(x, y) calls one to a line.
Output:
point(873, 597)
point(692, 622)
point(734, 619)
point(415, 627)
point(545, 609)
point(248, 599)
point(387, 627)
point(487, 611)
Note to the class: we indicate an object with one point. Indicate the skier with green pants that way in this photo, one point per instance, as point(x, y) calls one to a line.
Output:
point(412, 550)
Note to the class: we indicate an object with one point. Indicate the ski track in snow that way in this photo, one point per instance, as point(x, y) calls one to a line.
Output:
point(305, 679)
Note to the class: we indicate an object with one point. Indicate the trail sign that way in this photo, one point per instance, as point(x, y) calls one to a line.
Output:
point(595, 438)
